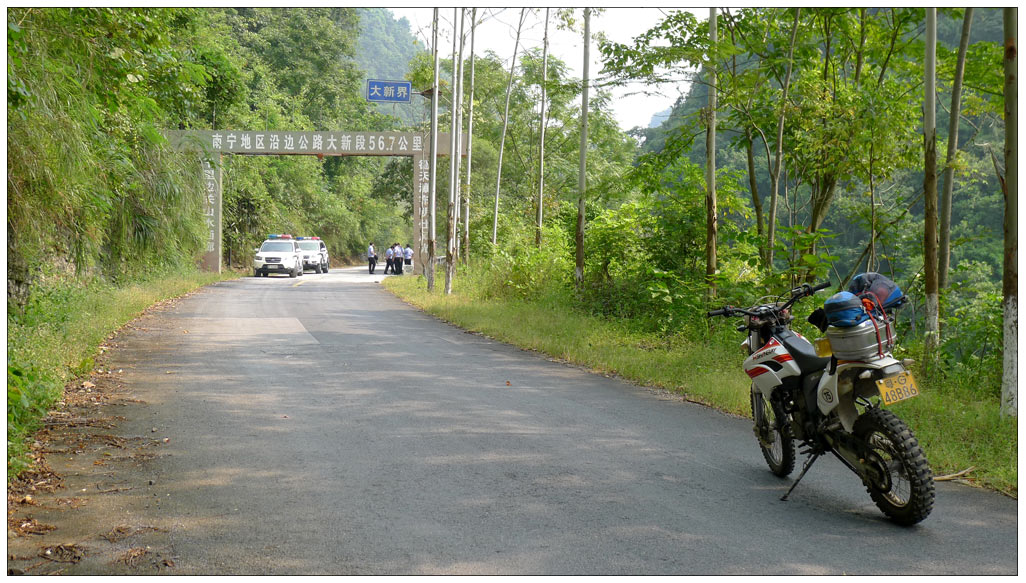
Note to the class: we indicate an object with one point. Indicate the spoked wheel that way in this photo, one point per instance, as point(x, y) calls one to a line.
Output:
point(900, 480)
point(774, 436)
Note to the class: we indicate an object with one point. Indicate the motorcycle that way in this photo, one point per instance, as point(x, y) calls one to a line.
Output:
point(828, 398)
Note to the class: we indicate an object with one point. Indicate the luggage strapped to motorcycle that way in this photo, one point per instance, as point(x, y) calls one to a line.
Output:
point(870, 286)
point(868, 303)
point(886, 294)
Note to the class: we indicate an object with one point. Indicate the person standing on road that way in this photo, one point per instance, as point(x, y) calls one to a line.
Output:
point(397, 259)
point(408, 256)
point(372, 258)
point(388, 261)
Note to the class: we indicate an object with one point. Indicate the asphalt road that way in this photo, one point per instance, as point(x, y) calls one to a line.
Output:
point(319, 425)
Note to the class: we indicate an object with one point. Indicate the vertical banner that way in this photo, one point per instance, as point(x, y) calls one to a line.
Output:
point(421, 206)
point(211, 168)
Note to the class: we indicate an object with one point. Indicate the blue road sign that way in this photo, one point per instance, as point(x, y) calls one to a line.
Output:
point(388, 91)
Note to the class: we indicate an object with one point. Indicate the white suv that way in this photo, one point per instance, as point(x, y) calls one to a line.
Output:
point(315, 253)
point(278, 254)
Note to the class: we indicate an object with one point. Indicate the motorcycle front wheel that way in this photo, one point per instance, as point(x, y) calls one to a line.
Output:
point(774, 436)
point(900, 480)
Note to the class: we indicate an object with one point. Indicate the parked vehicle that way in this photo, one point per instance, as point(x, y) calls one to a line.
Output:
point(829, 398)
point(315, 254)
point(278, 254)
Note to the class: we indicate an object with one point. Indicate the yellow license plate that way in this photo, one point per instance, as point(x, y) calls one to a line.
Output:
point(897, 388)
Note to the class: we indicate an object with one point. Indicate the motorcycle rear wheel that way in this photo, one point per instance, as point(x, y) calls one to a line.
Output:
point(902, 486)
point(774, 437)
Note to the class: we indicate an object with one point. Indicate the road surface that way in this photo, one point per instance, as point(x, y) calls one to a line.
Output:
point(319, 425)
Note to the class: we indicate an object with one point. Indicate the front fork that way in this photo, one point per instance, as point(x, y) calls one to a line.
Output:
point(761, 425)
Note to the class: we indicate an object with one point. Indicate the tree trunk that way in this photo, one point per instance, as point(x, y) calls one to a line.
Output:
point(930, 185)
point(871, 264)
point(429, 269)
point(541, 133)
point(470, 143)
point(582, 177)
point(457, 159)
point(505, 124)
point(944, 258)
point(1010, 285)
point(778, 158)
point(860, 55)
point(454, 153)
point(753, 184)
point(710, 168)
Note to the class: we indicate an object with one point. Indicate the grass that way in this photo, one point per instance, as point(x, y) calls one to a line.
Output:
point(957, 428)
point(56, 338)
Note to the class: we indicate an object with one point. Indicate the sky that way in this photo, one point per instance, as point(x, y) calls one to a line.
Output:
point(498, 33)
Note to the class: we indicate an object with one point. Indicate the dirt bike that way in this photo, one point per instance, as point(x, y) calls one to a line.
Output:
point(831, 403)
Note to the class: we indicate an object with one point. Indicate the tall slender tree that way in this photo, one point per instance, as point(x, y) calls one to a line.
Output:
point(582, 175)
point(778, 160)
point(944, 260)
point(1010, 283)
point(930, 184)
point(458, 160)
point(454, 150)
point(505, 125)
point(429, 269)
point(710, 165)
point(541, 133)
point(470, 143)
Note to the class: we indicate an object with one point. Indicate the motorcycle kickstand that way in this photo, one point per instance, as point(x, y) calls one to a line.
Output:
point(808, 464)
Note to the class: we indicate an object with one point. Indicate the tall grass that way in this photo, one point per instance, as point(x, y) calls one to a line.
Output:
point(957, 427)
point(58, 334)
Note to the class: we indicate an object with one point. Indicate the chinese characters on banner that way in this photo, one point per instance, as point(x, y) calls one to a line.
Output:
point(212, 214)
point(421, 208)
point(315, 143)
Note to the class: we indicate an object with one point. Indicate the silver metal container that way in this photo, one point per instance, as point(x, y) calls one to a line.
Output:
point(861, 342)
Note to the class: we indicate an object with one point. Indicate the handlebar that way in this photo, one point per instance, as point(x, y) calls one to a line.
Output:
point(796, 294)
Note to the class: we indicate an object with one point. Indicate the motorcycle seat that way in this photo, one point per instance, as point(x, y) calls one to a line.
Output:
point(804, 354)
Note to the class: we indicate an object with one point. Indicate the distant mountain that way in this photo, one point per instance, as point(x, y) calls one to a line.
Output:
point(659, 118)
point(384, 51)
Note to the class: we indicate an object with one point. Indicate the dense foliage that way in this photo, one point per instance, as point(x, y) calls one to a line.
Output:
point(851, 191)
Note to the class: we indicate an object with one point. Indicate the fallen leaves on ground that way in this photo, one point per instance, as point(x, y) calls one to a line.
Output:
point(62, 553)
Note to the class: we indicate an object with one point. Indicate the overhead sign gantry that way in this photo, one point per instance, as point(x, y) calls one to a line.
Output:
point(212, 145)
